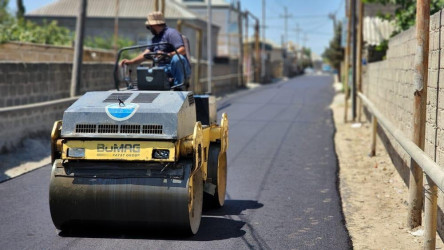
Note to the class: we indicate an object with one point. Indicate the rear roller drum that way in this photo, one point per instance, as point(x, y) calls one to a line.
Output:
point(217, 172)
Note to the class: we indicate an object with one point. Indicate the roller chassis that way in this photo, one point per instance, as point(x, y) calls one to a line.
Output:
point(192, 163)
point(116, 180)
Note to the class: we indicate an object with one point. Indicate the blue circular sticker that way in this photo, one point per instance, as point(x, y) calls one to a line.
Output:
point(121, 112)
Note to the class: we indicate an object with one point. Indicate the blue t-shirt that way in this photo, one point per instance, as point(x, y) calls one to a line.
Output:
point(168, 35)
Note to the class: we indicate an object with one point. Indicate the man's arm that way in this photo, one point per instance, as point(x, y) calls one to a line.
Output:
point(181, 50)
point(136, 60)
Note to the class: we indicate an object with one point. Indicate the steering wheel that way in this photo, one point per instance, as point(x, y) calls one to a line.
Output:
point(157, 57)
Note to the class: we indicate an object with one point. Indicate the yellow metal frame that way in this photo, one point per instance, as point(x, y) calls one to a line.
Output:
point(119, 150)
point(195, 146)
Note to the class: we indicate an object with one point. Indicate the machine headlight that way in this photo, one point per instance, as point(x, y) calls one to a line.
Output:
point(76, 152)
point(161, 154)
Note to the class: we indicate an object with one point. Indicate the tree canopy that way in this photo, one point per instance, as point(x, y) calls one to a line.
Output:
point(405, 13)
point(334, 54)
point(16, 28)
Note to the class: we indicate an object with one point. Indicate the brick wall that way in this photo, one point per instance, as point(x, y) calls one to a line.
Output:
point(389, 84)
point(30, 52)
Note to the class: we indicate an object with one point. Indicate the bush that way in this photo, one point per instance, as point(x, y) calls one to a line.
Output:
point(22, 30)
point(107, 43)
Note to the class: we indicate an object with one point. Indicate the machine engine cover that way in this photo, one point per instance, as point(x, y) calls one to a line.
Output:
point(169, 115)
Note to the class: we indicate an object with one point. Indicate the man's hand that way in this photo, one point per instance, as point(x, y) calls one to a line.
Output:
point(125, 61)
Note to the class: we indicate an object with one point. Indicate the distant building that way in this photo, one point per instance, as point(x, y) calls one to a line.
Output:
point(224, 15)
point(132, 16)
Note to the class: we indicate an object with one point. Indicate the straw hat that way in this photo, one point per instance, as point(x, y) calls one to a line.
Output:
point(155, 18)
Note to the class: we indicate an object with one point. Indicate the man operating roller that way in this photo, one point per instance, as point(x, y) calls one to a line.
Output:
point(164, 34)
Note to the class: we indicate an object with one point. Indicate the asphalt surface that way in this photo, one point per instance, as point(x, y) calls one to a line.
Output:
point(282, 183)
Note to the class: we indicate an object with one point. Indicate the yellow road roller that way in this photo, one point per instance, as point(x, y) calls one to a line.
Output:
point(138, 158)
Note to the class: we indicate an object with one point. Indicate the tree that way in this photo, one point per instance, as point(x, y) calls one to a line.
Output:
point(4, 15)
point(20, 10)
point(334, 54)
point(405, 13)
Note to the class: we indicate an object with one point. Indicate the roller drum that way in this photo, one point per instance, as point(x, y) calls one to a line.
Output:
point(130, 199)
point(217, 172)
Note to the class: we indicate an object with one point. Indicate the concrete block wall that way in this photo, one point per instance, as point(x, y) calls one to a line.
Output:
point(34, 83)
point(389, 84)
point(15, 125)
point(30, 52)
point(27, 83)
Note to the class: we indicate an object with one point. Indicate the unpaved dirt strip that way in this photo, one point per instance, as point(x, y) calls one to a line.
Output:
point(373, 194)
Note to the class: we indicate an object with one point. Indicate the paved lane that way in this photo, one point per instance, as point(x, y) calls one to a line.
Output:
point(281, 190)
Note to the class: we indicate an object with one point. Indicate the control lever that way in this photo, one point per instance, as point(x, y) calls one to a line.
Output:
point(127, 77)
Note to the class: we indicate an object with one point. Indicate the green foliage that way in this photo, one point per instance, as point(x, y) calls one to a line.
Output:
point(334, 54)
point(4, 15)
point(107, 43)
point(27, 31)
point(405, 13)
point(383, 46)
point(12, 29)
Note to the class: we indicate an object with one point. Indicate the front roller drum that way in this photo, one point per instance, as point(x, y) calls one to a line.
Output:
point(136, 201)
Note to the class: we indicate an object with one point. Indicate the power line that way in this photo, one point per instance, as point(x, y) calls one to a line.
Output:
point(302, 16)
point(339, 8)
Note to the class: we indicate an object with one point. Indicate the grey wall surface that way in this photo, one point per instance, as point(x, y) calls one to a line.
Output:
point(34, 83)
point(389, 84)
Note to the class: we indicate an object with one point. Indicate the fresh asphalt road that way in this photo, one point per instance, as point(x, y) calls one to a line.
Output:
point(282, 183)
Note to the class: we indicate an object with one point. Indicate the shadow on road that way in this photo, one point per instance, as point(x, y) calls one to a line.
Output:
point(32, 149)
point(232, 207)
point(213, 226)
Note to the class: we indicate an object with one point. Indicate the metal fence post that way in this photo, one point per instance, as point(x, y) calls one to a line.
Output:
point(359, 56)
point(347, 64)
point(430, 213)
point(374, 132)
point(419, 109)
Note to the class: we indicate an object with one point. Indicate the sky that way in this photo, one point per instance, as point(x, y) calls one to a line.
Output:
point(310, 15)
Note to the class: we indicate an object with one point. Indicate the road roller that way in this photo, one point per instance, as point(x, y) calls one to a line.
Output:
point(138, 157)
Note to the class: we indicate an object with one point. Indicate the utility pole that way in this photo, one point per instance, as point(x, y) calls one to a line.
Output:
point(285, 17)
point(333, 18)
point(241, 47)
point(304, 40)
point(247, 49)
point(116, 25)
point(263, 42)
point(419, 113)
point(298, 42)
point(354, 36)
point(209, 48)
point(258, 52)
point(285, 39)
point(78, 52)
point(257, 62)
